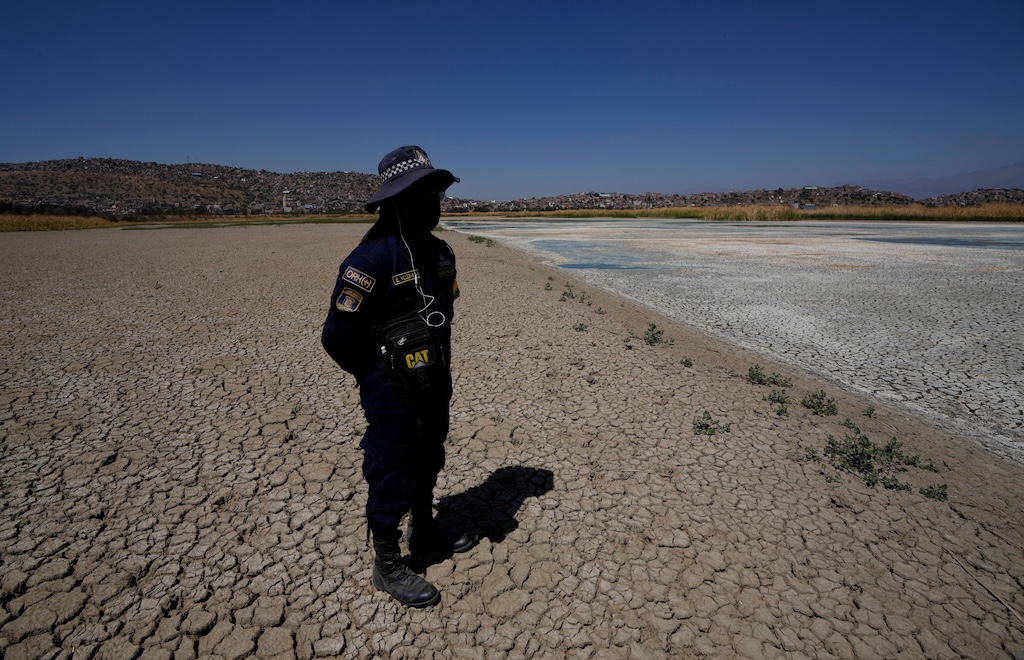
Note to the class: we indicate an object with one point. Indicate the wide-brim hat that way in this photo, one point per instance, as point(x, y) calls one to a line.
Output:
point(403, 167)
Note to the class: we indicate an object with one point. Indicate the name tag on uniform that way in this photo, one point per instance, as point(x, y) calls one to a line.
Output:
point(404, 278)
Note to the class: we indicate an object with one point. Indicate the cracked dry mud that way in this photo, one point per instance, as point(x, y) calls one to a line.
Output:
point(180, 477)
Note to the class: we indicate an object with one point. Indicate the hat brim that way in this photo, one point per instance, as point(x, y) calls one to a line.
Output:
point(399, 184)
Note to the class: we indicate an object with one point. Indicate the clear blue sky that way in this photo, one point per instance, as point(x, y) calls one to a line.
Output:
point(525, 98)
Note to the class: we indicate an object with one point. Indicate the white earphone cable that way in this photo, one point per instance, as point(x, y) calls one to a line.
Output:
point(428, 300)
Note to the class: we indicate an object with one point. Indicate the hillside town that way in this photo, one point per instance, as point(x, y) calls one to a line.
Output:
point(123, 188)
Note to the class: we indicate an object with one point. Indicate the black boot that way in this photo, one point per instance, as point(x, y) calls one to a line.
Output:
point(428, 540)
point(394, 577)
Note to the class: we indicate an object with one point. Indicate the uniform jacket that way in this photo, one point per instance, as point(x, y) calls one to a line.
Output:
point(373, 281)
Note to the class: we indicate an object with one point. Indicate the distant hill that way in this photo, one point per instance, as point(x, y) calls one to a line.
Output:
point(130, 188)
point(126, 187)
point(1009, 177)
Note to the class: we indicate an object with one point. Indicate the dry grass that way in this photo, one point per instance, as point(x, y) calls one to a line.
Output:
point(39, 222)
point(762, 213)
point(242, 220)
point(590, 213)
point(51, 222)
point(1001, 211)
point(995, 212)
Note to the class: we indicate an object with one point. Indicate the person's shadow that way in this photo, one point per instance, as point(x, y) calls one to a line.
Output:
point(489, 510)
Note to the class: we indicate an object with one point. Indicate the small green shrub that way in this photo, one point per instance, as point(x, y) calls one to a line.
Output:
point(892, 483)
point(653, 335)
point(756, 376)
point(820, 404)
point(580, 327)
point(858, 455)
point(875, 464)
point(936, 492)
point(915, 461)
point(707, 425)
point(780, 400)
point(686, 362)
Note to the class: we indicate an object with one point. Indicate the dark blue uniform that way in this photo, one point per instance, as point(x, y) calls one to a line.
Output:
point(404, 440)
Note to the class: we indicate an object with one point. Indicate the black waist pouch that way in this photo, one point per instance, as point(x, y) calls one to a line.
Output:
point(415, 361)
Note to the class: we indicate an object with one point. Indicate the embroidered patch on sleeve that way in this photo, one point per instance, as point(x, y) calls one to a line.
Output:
point(446, 272)
point(403, 278)
point(349, 300)
point(359, 278)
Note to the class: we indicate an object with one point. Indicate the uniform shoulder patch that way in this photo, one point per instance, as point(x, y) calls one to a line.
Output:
point(349, 300)
point(359, 279)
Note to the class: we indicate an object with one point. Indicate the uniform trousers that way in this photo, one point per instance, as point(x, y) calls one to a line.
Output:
point(402, 457)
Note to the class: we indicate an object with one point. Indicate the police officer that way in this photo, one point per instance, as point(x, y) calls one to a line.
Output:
point(389, 325)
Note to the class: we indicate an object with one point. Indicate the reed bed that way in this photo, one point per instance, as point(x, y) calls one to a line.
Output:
point(773, 213)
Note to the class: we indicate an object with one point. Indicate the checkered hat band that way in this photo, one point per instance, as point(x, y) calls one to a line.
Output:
point(404, 166)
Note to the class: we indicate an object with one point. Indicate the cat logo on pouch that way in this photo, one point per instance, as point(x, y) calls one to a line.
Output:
point(417, 359)
point(359, 278)
point(349, 300)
